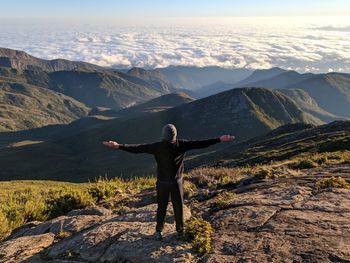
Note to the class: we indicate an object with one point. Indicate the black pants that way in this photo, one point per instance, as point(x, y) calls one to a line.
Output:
point(175, 190)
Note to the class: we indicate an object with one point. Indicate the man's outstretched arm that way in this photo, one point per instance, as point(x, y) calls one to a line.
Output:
point(198, 144)
point(132, 148)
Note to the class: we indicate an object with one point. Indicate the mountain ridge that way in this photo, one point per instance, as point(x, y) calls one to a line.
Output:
point(115, 90)
point(286, 141)
point(331, 91)
point(23, 61)
point(259, 75)
point(192, 78)
point(24, 106)
point(242, 112)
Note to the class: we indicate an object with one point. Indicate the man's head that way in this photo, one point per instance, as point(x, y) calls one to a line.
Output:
point(169, 132)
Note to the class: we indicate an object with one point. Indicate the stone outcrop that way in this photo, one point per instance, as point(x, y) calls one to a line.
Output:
point(19, 249)
point(95, 234)
point(279, 220)
point(284, 220)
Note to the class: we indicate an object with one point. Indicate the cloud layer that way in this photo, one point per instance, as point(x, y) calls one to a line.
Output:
point(303, 47)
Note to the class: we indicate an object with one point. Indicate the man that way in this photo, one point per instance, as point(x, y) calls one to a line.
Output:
point(169, 154)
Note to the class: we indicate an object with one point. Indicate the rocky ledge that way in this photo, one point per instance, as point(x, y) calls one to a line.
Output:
point(280, 220)
point(283, 220)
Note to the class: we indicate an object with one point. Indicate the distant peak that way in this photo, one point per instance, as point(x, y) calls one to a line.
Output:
point(136, 69)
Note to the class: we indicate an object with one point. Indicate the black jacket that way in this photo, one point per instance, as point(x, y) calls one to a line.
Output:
point(169, 156)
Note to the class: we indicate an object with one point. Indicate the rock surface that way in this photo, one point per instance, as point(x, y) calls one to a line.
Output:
point(97, 235)
point(93, 210)
point(278, 220)
point(19, 249)
point(284, 220)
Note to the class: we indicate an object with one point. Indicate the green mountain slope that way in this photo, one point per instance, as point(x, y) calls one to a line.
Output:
point(96, 117)
point(331, 91)
point(76, 152)
point(214, 88)
point(305, 89)
point(113, 90)
point(193, 78)
point(282, 80)
point(24, 106)
point(158, 104)
point(90, 84)
point(308, 104)
point(260, 75)
point(282, 143)
point(154, 78)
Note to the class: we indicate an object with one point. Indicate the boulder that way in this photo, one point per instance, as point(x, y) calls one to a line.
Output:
point(284, 220)
point(20, 231)
point(59, 225)
point(92, 210)
point(19, 249)
point(118, 241)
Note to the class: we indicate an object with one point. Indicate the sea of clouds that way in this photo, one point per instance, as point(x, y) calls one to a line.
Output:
point(251, 43)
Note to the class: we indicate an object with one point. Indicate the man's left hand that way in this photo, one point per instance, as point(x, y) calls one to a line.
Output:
point(227, 138)
point(112, 144)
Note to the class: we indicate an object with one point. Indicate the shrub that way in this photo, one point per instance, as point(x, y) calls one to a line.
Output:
point(199, 232)
point(223, 199)
point(305, 164)
point(4, 226)
point(263, 173)
point(320, 160)
point(214, 177)
point(60, 202)
point(332, 182)
point(307, 161)
point(14, 215)
point(103, 189)
point(24, 201)
point(327, 158)
point(22, 206)
point(63, 234)
point(190, 189)
point(34, 210)
point(141, 183)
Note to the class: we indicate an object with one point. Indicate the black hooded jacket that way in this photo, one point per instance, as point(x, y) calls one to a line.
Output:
point(169, 156)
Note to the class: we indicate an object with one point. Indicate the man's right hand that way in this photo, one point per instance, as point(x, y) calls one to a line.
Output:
point(112, 144)
point(227, 138)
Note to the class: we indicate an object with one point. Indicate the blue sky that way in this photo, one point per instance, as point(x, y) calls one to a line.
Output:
point(163, 8)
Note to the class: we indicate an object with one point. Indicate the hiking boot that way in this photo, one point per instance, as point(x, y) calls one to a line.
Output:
point(158, 235)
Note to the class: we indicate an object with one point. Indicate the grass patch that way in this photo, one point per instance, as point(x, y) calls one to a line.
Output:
point(190, 189)
point(212, 178)
point(199, 232)
point(4, 225)
point(32, 204)
point(60, 202)
point(223, 199)
point(25, 201)
point(263, 173)
point(333, 182)
point(307, 161)
point(137, 184)
point(304, 164)
point(103, 189)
